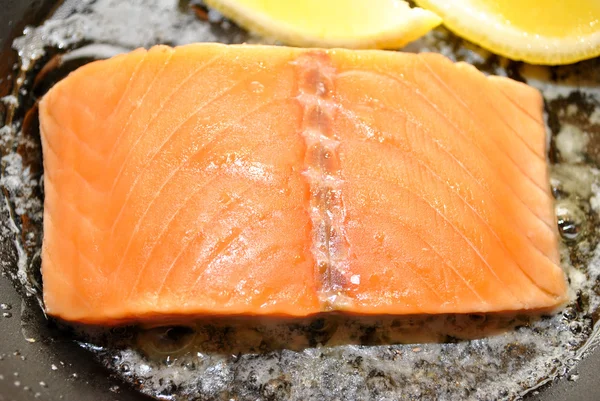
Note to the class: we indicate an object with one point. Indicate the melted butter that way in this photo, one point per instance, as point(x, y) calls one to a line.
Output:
point(457, 357)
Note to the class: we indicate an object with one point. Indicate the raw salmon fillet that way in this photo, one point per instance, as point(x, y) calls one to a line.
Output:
point(256, 180)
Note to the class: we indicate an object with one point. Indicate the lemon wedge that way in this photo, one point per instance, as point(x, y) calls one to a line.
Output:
point(331, 23)
point(535, 31)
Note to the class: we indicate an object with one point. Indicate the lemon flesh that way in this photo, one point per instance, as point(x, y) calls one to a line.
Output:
point(539, 32)
point(331, 23)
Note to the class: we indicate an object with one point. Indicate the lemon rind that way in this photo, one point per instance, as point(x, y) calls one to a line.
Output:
point(509, 41)
point(411, 26)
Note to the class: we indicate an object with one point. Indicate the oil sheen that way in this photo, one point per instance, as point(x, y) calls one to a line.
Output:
point(440, 357)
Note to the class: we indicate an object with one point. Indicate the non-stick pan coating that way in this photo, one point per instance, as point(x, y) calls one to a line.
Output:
point(54, 367)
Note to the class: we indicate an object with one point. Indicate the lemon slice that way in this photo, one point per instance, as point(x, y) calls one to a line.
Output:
point(331, 23)
point(535, 31)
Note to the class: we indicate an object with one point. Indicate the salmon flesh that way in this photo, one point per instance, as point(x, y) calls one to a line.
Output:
point(254, 180)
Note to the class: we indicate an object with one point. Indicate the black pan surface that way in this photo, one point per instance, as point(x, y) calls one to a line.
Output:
point(53, 367)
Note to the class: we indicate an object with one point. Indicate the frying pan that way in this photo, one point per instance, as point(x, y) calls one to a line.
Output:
point(54, 367)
